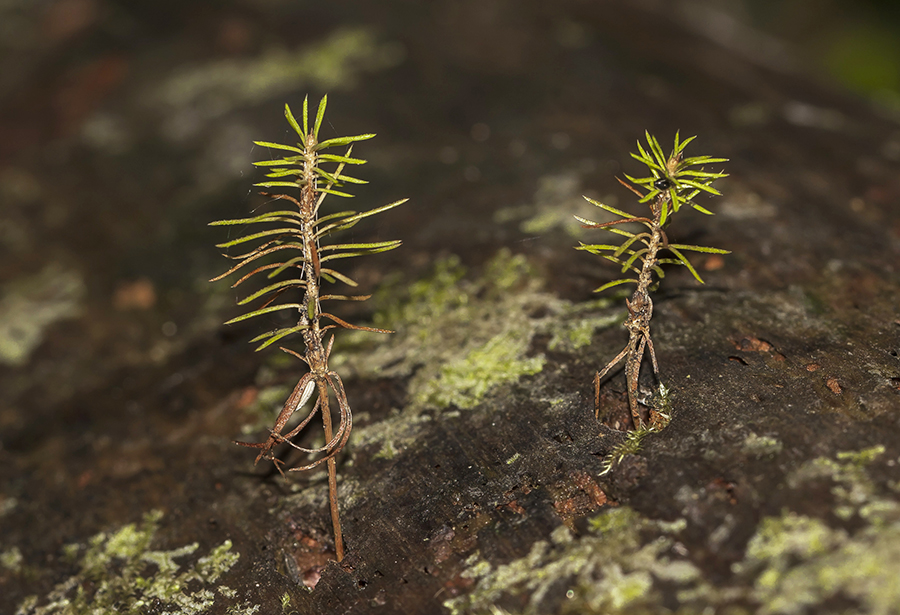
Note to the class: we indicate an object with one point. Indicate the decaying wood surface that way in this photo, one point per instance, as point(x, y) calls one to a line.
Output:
point(493, 117)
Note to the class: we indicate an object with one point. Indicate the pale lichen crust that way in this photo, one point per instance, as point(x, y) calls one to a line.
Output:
point(610, 570)
point(460, 339)
point(793, 564)
point(118, 572)
point(28, 306)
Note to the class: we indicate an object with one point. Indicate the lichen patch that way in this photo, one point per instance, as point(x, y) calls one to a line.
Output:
point(29, 305)
point(458, 339)
point(793, 564)
point(118, 572)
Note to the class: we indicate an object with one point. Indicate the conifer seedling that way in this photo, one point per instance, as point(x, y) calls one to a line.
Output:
point(303, 262)
point(674, 182)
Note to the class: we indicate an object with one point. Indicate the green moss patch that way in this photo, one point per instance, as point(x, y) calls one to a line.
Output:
point(119, 573)
point(800, 562)
point(458, 339)
point(610, 570)
point(794, 563)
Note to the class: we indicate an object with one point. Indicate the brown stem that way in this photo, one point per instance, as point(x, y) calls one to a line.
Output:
point(332, 475)
point(640, 311)
point(319, 378)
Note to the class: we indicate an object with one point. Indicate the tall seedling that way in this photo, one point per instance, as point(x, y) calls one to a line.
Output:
point(302, 262)
point(672, 184)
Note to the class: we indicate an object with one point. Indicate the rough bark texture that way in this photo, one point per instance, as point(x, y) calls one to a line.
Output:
point(474, 473)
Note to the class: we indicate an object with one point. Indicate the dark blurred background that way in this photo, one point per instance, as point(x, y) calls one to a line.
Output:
point(124, 125)
point(854, 45)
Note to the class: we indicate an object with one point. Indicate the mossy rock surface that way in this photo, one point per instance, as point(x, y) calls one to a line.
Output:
point(476, 478)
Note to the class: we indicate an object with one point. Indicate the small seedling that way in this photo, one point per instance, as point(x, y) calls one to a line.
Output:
point(631, 444)
point(672, 184)
point(296, 239)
